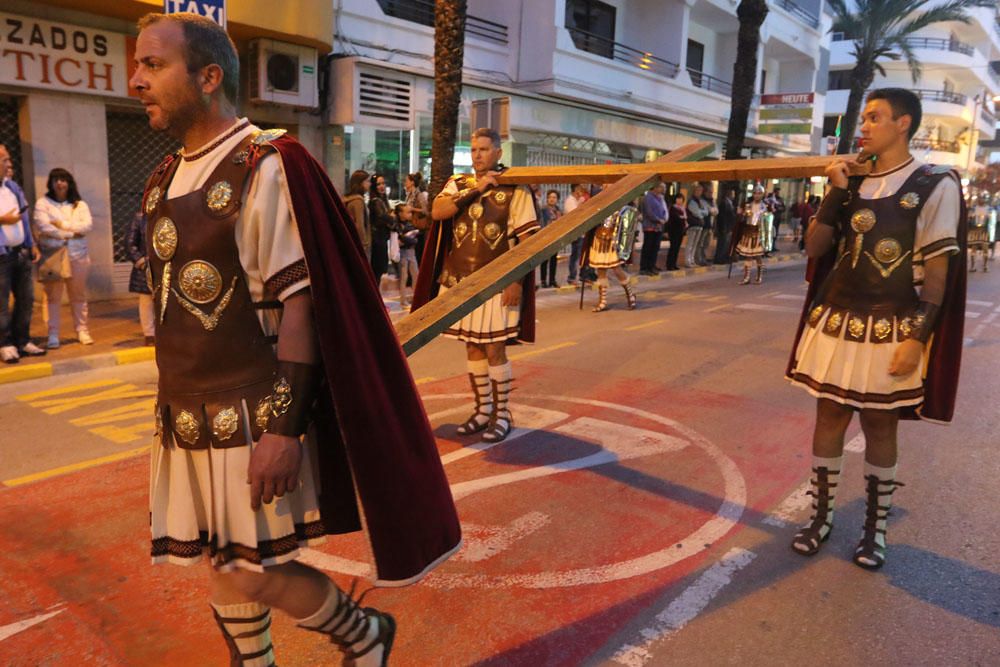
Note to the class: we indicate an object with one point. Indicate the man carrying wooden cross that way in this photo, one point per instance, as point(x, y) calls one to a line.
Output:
point(882, 335)
point(475, 222)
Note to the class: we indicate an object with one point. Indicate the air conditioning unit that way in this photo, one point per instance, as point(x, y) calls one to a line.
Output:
point(283, 73)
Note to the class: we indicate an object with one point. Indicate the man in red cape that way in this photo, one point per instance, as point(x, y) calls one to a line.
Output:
point(285, 399)
point(869, 342)
point(475, 221)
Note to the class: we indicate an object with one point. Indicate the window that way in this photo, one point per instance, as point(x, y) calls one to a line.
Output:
point(592, 25)
point(696, 56)
point(830, 125)
point(839, 80)
point(763, 81)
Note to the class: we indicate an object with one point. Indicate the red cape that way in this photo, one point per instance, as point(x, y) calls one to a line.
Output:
point(945, 358)
point(437, 247)
point(374, 436)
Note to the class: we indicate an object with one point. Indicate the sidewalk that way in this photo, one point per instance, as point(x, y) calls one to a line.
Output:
point(114, 324)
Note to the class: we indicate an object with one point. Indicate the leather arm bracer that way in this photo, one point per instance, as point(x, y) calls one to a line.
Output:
point(924, 320)
point(296, 387)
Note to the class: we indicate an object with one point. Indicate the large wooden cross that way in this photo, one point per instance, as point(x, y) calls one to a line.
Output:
point(624, 183)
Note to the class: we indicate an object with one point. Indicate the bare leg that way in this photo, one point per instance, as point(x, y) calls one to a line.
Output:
point(832, 420)
point(880, 428)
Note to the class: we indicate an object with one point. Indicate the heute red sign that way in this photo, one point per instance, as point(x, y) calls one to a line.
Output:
point(787, 98)
point(61, 56)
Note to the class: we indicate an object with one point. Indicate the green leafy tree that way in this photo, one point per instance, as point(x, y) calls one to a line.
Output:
point(881, 30)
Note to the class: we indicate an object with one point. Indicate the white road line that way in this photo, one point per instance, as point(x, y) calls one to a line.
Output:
point(533, 418)
point(989, 318)
point(971, 314)
point(714, 309)
point(484, 542)
point(789, 297)
point(788, 511)
point(684, 608)
point(856, 444)
point(767, 307)
point(982, 304)
point(12, 629)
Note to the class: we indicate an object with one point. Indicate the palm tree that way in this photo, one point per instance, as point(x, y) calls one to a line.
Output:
point(881, 29)
point(449, 54)
point(751, 14)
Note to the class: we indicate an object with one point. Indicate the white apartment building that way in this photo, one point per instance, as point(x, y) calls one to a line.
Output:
point(572, 81)
point(960, 79)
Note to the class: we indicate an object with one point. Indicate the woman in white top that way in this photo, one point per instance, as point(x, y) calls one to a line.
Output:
point(62, 218)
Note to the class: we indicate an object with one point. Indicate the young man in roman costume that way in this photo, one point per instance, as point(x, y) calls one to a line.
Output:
point(475, 221)
point(267, 318)
point(982, 231)
point(882, 333)
point(602, 244)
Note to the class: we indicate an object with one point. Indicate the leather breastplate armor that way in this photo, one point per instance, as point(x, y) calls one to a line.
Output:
point(479, 234)
point(874, 268)
point(214, 360)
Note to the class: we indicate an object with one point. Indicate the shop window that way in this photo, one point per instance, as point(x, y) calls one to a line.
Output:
point(134, 150)
point(10, 136)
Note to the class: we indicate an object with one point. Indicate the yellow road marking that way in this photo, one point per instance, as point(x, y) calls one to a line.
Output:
point(54, 406)
point(122, 413)
point(425, 380)
point(125, 434)
point(73, 467)
point(68, 390)
point(134, 355)
point(535, 353)
point(643, 326)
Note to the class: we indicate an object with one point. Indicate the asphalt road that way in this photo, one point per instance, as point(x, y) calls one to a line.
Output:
point(640, 515)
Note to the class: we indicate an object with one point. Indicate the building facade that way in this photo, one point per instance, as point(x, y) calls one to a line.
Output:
point(567, 81)
point(64, 102)
point(959, 83)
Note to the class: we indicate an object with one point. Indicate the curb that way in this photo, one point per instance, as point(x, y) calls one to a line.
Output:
point(103, 360)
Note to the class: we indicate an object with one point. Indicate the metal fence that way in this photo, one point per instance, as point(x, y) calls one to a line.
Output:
point(10, 135)
point(134, 150)
point(422, 12)
point(608, 48)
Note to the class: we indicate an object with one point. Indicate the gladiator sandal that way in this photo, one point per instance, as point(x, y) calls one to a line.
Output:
point(501, 422)
point(629, 295)
point(870, 553)
point(824, 490)
point(602, 298)
point(746, 275)
point(760, 275)
point(247, 637)
point(357, 631)
point(480, 419)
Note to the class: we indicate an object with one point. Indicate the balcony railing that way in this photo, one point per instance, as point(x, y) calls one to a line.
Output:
point(711, 83)
point(941, 96)
point(606, 48)
point(803, 15)
point(935, 145)
point(940, 44)
point(422, 12)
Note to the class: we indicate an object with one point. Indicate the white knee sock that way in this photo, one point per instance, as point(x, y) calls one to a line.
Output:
point(248, 624)
point(347, 624)
point(503, 376)
point(886, 486)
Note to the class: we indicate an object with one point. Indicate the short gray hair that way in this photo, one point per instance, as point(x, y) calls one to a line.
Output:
point(488, 133)
point(207, 44)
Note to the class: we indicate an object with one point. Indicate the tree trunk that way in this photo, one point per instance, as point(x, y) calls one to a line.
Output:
point(751, 14)
point(449, 54)
point(861, 78)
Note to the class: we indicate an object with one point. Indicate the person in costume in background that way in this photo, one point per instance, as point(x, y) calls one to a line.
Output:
point(267, 313)
point(752, 241)
point(870, 342)
point(476, 221)
point(982, 228)
point(602, 255)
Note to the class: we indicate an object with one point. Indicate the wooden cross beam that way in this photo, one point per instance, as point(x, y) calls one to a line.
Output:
point(626, 182)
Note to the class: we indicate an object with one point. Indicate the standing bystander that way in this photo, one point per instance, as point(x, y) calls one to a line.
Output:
point(135, 246)
point(654, 217)
point(580, 194)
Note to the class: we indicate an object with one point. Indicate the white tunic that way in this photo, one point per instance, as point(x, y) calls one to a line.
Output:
point(201, 497)
point(856, 373)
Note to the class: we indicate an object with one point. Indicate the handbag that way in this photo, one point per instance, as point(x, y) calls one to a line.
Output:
point(394, 247)
point(54, 264)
